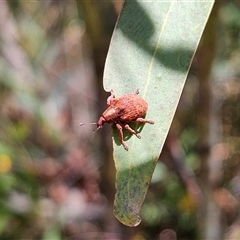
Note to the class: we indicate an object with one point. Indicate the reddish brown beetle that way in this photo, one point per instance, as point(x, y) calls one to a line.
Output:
point(121, 111)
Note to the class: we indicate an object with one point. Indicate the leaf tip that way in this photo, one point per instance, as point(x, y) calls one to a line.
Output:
point(129, 219)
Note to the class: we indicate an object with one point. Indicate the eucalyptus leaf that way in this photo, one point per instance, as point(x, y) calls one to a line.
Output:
point(151, 50)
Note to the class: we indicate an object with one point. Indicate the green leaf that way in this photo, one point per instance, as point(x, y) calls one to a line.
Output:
point(151, 50)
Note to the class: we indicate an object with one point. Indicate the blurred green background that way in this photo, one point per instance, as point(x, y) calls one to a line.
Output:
point(57, 178)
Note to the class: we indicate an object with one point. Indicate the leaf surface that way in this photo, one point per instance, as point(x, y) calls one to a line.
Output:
point(151, 50)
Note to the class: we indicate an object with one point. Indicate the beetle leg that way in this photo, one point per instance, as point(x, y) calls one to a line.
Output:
point(142, 120)
point(119, 127)
point(126, 126)
point(109, 99)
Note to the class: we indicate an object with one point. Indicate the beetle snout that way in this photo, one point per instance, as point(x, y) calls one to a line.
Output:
point(100, 122)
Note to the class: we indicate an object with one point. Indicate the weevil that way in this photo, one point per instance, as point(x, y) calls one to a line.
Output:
point(123, 110)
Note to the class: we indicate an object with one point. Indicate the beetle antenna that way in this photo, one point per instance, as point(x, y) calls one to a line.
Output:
point(95, 130)
point(81, 124)
point(99, 127)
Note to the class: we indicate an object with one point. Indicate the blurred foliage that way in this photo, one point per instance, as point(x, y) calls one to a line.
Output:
point(51, 169)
